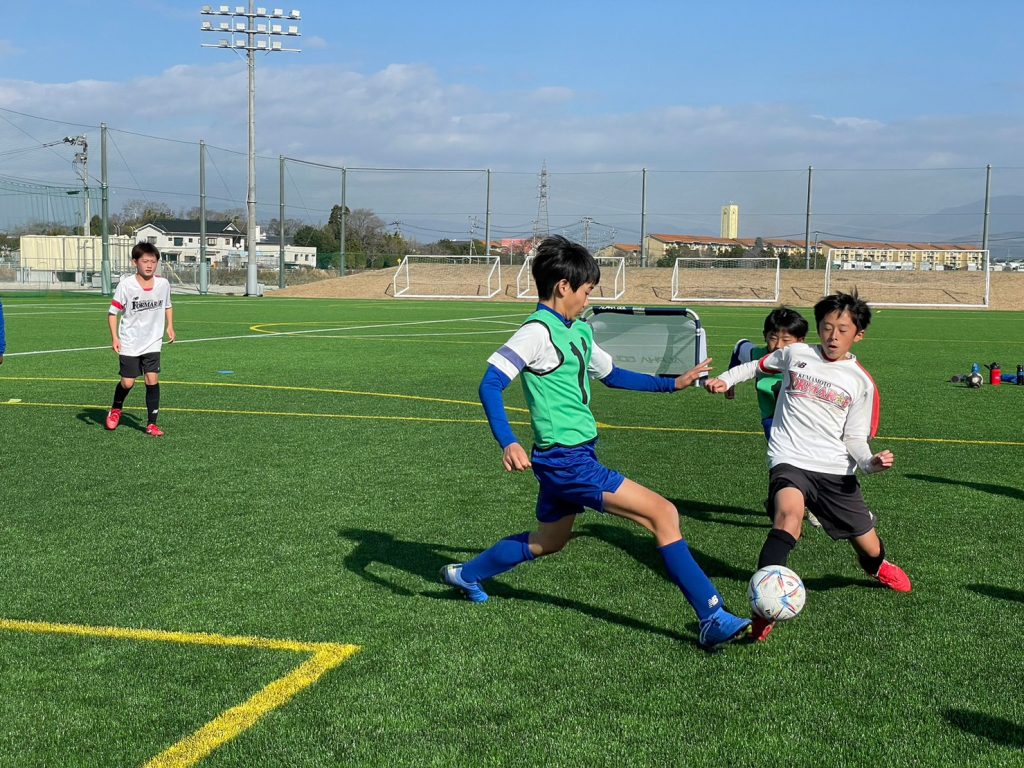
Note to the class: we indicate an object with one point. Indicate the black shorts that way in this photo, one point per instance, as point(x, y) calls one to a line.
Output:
point(133, 367)
point(835, 500)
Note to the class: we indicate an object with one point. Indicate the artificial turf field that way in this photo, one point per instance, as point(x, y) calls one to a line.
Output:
point(324, 458)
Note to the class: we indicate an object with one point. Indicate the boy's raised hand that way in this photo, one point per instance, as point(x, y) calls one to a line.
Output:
point(687, 379)
point(515, 458)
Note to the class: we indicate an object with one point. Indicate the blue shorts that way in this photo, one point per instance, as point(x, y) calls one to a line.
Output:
point(571, 479)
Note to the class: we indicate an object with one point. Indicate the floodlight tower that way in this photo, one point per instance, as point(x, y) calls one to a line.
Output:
point(251, 31)
point(81, 164)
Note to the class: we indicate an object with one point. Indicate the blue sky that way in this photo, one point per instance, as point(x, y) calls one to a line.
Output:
point(596, 86)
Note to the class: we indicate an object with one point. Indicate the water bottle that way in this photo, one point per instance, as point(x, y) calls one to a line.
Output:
point(995, 374)
point(975, 368)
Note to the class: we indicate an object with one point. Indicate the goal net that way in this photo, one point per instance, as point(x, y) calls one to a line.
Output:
point(662, 341)
point(612, 285)
point(727, 279)
point(910, 284)
point(447, 277)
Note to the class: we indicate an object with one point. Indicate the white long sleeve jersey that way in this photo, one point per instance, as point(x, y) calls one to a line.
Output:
point(826, 412)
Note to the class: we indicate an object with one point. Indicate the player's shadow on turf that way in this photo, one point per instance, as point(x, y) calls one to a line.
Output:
point(1001, 593)
point(641, 547)
point(713, 513)
point(999, 490)
point(425, 560)
point(93, 416)
point(996, 729)
point(418, 558)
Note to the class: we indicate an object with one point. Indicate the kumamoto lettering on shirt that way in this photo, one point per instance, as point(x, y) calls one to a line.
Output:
point(801, 385)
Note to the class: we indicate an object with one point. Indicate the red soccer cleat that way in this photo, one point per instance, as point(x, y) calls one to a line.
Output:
point(154, 431)
point(113, 418)
point(893, 577)
point(760, 629)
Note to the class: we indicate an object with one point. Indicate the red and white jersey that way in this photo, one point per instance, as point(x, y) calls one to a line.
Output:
point(142, 326)
point(826, 412)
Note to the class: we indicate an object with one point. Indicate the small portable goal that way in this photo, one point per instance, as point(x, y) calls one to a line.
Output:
point(661, 341)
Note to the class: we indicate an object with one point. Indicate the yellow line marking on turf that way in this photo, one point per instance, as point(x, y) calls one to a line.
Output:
point(602, 425)
point(229, 724)
point(273, 387)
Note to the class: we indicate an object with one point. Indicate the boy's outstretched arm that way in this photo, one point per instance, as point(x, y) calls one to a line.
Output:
point(492, 386)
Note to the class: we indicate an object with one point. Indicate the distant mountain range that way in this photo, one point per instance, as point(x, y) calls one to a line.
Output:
point(960, 224)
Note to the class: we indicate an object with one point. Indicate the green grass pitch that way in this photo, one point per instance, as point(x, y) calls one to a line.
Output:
point(313, 492)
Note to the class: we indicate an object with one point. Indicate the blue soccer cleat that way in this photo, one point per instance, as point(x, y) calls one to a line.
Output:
point(451, 575)
point(721, 627)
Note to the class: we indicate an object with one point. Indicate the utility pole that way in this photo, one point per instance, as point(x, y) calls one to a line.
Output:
point(251, 31)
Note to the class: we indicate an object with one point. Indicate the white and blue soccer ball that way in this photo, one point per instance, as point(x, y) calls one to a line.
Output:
point(776, 593)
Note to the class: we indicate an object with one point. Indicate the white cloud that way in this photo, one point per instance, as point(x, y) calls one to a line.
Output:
point(856, 123)
point(7, 48)
point(552, 94)
point(315, 42)
point(406, 116)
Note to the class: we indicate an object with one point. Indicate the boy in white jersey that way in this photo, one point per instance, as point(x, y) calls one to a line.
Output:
point(556, 355)
point(145, 301)
point(826, 412)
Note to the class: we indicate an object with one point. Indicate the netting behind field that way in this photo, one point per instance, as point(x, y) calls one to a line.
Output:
point(447, 277)
point(726, 279)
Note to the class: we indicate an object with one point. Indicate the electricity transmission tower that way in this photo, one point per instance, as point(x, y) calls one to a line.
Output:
point(541, 226)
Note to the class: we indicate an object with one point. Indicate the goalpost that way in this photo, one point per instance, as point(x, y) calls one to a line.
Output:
point(447, 277)
point(726, 279)
point(612, 285)
point(923, 284)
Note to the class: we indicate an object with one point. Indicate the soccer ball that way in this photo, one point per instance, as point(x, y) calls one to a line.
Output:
point(776, 593)
point(974, 381)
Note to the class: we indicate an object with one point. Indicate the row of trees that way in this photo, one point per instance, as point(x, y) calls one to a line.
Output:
point(368, 242)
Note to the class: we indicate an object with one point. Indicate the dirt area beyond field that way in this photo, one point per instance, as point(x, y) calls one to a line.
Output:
point(654, 286)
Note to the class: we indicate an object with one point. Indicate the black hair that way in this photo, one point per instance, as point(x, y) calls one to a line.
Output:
point(844, 302)
point(144, 248)
point(786, 320)
point(559, 258)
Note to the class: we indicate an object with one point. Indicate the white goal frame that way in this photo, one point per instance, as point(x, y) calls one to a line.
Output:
point(404, 287)
point(527, 289)
point(986, 292)
point(679, 292)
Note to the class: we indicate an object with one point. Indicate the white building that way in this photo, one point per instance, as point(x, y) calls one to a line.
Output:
point(179, 241)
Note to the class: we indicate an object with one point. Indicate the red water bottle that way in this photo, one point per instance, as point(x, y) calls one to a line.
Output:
point(995, 375)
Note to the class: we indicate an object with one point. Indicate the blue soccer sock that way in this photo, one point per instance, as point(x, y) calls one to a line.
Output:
point(689, 577)
point(503, 556)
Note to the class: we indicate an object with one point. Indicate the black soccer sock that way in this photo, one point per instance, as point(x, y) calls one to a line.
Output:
point(152, 402)
point(776, 548)
point(120, 393)
point(872, 564)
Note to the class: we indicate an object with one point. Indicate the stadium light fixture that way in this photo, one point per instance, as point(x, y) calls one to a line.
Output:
point(250, 35)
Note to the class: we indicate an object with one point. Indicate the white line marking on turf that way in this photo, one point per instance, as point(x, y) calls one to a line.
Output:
point(271, 334)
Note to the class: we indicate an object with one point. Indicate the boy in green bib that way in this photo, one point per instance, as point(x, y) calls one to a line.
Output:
point(555, 353)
